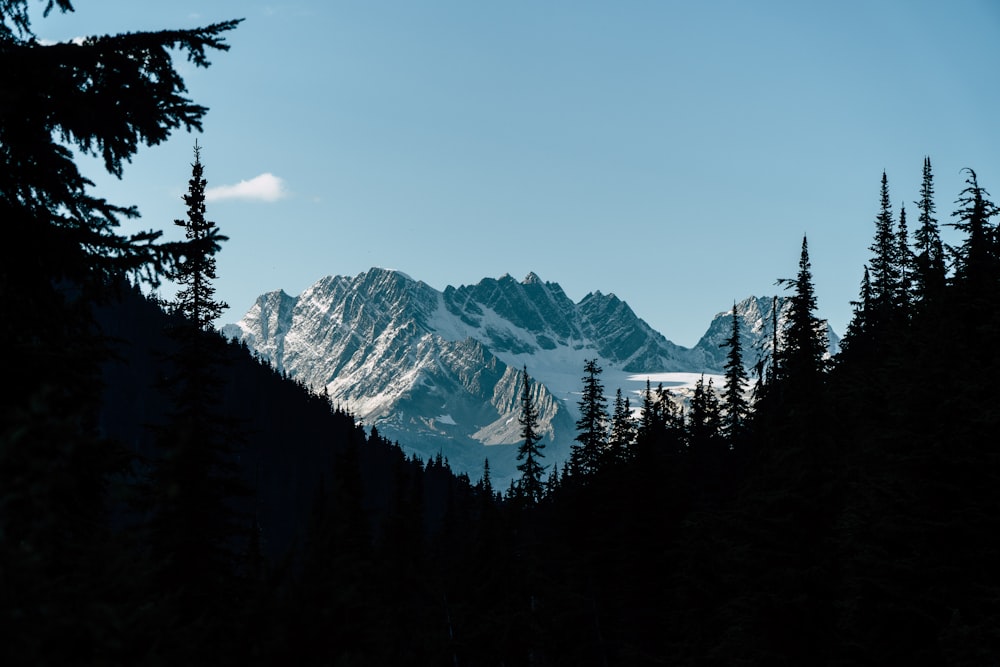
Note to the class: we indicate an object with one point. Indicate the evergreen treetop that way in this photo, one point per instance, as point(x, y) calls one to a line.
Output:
point(704, 419)
point(623, 429)
point(531, 486)
point(857, 329)
point(884, 264)
point(592, 426)
point(737, 406)
point(929, 259)
point(978, 259)
point(196, 272)
point(804, 340)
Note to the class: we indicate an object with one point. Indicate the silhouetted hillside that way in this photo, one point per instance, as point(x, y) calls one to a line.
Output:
point(290, 439)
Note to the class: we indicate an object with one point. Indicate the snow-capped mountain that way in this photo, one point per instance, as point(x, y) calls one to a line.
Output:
point(441, 371)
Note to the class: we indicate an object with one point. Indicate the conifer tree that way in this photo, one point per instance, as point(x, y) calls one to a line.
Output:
point(651, 423)
point(707, 450)
point(737, 408)
point(929, 260)
point(855, 338)
point(647, 414)
point(195, 301)
point(552, 483)
point(623, 429)
point(977, 260)
point(487, 481)
point(193, 480)
point(660, 432)
point(592, 426)
point(804, 340)
point(885, 262)
point(531, 486)
point(704, 419)
point(768, 366)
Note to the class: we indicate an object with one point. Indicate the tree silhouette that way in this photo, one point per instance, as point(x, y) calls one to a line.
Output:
point(195, 301)
point(929, 260)
point(592, 426)
point(486, 483)
point(977, 260)
point(804, 341)
point(704, 419)
point(737, 408)
point(885, 262)
point(194, 478)
point(622, 434)
point(855, 340)
point(531, 486)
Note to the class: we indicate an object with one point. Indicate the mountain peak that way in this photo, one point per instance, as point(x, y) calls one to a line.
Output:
point(531, 279)
point(378, 270)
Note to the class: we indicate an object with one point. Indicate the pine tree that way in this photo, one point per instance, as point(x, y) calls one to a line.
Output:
point(194, 479)
point(704, 419)
point(592, 426)
point(195, 301)
point(804, 340)
point(531, 486)
point(885, 262)
point(659, 454)
point(707, 452)
point(856, 337)
point(553, 481)
point(649, 416)
point(977, 260)
point(768, 367)
point(737, 408)
point(623, 430)
point(929, 260)
point(486, 484)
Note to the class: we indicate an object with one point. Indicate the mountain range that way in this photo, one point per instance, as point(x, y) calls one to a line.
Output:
point(441, 372)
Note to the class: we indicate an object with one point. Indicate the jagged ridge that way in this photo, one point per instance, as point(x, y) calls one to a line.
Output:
point(440, 371)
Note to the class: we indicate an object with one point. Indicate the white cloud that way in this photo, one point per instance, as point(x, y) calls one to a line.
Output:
point(266, 187)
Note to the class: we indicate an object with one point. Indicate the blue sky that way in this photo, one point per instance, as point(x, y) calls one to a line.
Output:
point(673, 153)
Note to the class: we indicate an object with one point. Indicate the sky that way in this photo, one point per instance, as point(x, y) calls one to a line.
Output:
point(673, 153)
